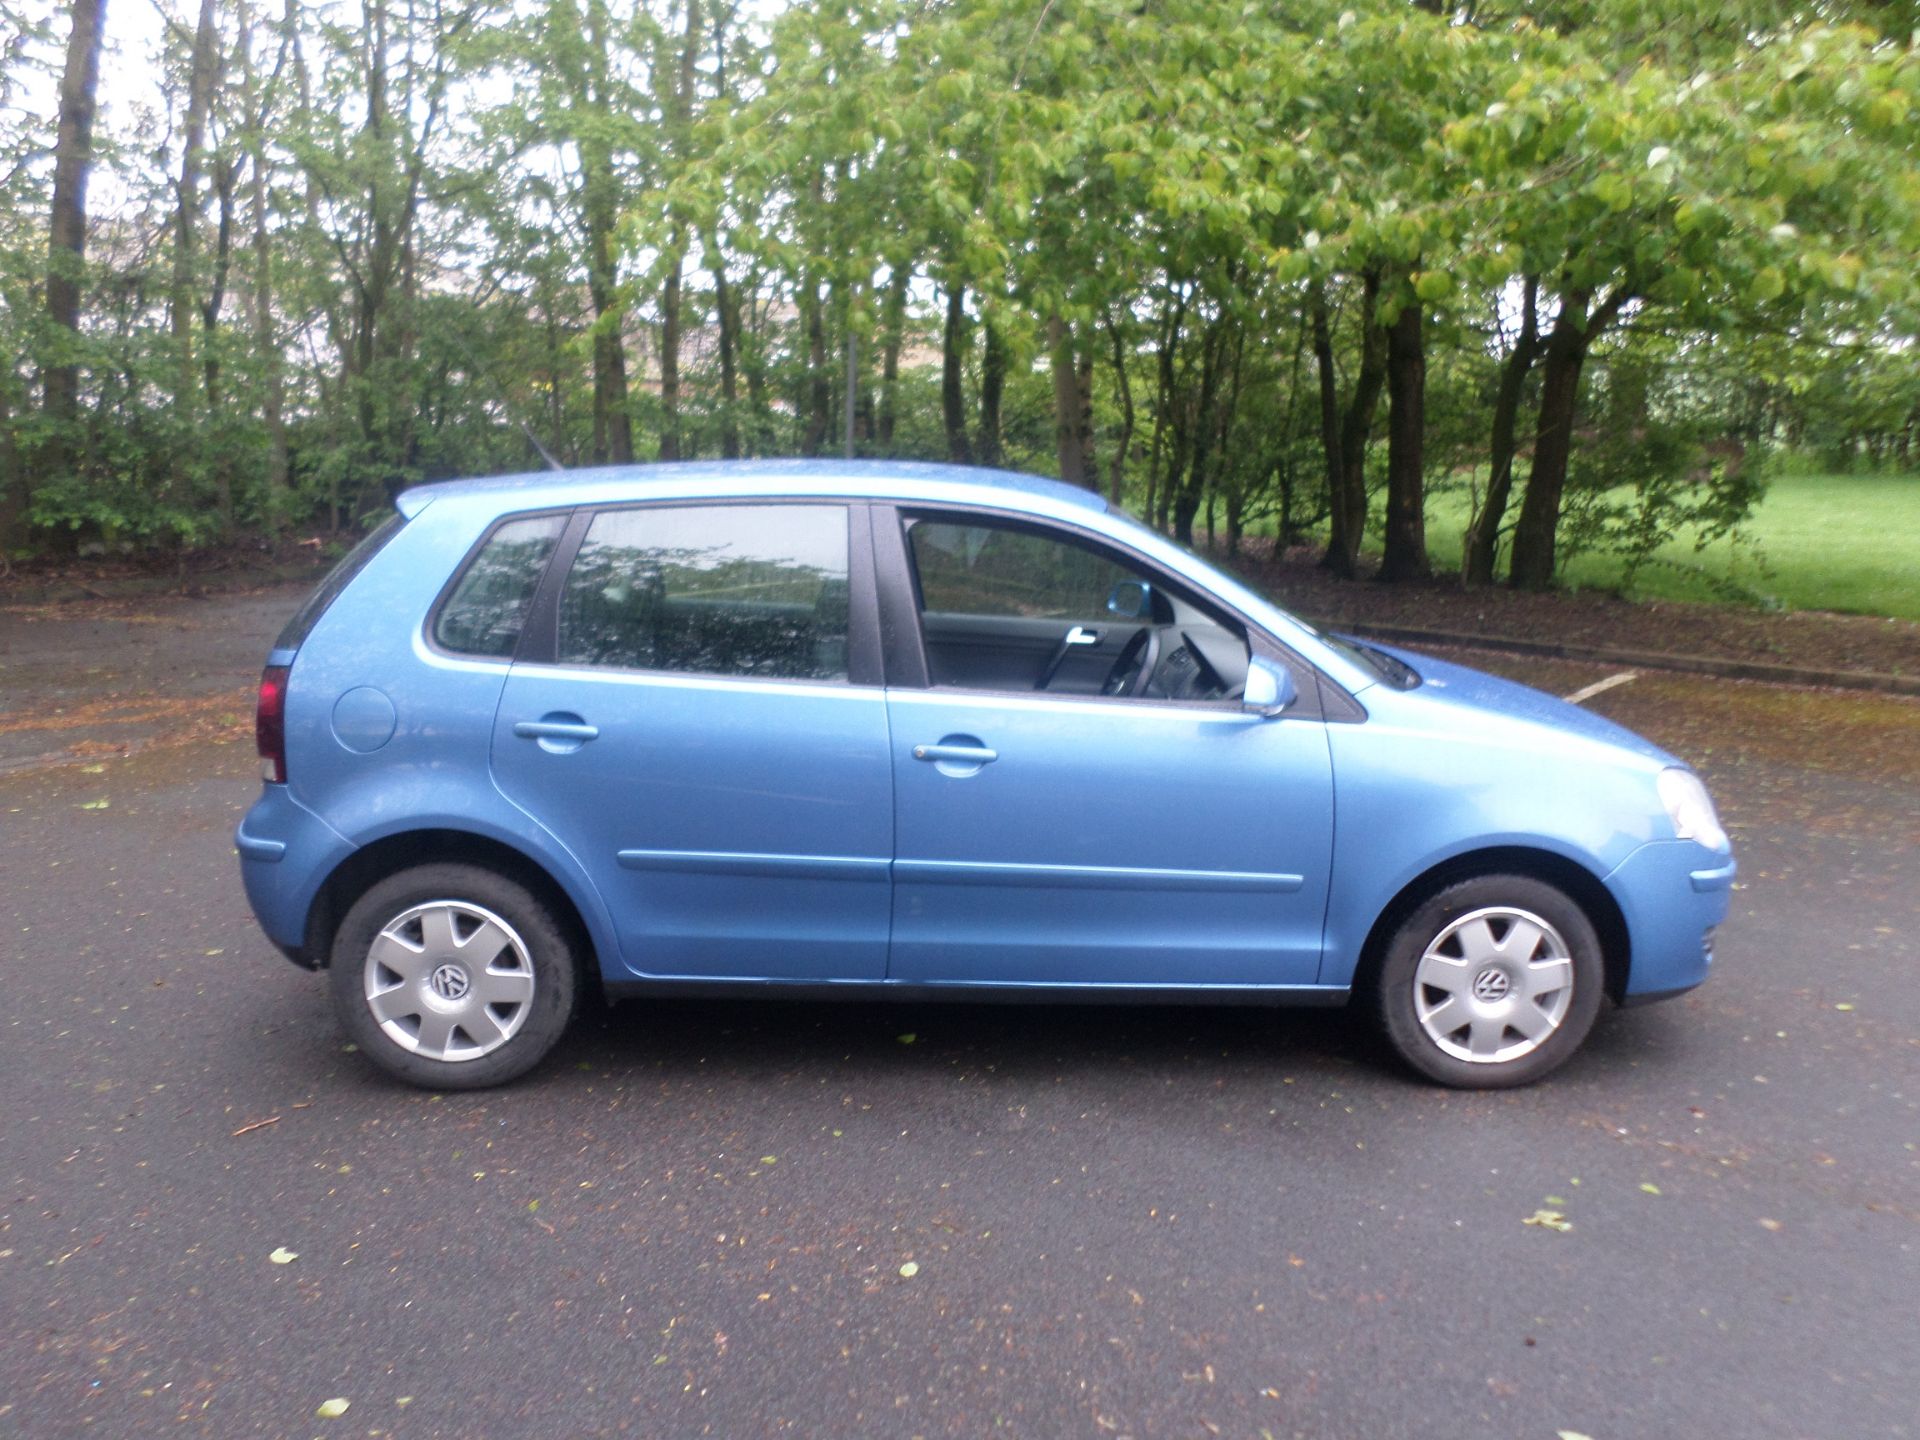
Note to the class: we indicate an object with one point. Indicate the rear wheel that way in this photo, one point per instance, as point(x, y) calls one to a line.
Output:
point(1493, 982)
point(452, 977)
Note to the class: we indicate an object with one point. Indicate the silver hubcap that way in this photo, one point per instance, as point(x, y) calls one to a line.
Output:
point(1494, 985)
point(449, 980)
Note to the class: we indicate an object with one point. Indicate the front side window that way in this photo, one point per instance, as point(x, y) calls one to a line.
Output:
point(1024, 610)
point(747, 590)
point(484, 614)
point(990, 570)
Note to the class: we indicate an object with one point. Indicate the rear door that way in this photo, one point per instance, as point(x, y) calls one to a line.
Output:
point(696, 716)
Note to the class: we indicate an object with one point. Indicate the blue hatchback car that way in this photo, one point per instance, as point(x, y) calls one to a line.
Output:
point(889, 729)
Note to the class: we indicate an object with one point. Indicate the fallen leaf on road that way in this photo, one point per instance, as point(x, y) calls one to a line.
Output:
point(1773, 1225)
point(909, 1270)
point(1549, 1220)
point(333, 1409)
point(283, 1256)
point(96, 804)
point(1843, 1007)
point(1572, 1435)
point(907, 1039)
point(769, 1160)
point(1649, 1187)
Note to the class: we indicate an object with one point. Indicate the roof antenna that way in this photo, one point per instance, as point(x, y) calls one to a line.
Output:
point(545, 454)
point(525, 429)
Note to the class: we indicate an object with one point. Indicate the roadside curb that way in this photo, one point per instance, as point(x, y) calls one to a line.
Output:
point(136, 587)
point(1644, 659)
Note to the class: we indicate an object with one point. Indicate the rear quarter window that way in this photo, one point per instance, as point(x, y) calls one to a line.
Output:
point(341, 576)
point(487, 607)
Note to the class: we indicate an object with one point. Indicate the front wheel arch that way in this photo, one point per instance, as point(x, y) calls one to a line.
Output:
point(1577, 882)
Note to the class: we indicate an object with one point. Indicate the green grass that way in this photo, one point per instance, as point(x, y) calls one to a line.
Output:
point(1815, 542)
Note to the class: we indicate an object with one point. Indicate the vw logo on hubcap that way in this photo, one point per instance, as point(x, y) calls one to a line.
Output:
point(1491, 984)
point(450, 982)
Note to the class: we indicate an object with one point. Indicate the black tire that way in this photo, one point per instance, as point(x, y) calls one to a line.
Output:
point(508, 1037)
point(1560, 1021)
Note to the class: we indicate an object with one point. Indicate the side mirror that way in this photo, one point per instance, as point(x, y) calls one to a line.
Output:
point(1270, 688)
point(1131, 600)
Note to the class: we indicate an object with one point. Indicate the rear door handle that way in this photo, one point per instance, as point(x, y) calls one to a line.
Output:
point(555, 730)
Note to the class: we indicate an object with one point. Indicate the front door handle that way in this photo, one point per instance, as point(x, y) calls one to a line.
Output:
point(1080, 635)
point(956, 754)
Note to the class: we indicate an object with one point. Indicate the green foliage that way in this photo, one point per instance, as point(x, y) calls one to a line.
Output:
point(468, 217)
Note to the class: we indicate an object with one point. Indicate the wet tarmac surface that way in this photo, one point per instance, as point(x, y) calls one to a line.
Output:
point(693, 1219)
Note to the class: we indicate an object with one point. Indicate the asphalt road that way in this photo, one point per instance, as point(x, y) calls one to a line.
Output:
point(693, 1220)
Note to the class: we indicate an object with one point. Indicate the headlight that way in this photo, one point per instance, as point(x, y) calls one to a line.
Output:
point(1691, 809)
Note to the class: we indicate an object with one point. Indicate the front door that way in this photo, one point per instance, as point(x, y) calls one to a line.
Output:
point(697, 742)
point(1070, 838)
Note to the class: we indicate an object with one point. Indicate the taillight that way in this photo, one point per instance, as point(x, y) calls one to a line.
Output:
point(270, 724)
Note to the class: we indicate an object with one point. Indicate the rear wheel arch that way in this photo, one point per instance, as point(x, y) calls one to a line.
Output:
point(1574, 880)
point(374, 862)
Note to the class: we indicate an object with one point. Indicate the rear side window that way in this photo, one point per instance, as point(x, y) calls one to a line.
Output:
point(750, 590)
point(484, 613)
point(356, 559)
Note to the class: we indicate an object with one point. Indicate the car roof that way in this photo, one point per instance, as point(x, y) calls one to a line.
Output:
point(875, 479)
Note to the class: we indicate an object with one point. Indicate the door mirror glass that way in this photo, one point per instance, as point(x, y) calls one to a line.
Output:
point(1270, 688)
point(1131, 600)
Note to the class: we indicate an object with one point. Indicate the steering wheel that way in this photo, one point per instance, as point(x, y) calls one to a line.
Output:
point(1134, 666)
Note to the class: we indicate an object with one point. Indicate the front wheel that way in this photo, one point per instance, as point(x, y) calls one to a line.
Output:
point(451, 977)
point(1491, 983)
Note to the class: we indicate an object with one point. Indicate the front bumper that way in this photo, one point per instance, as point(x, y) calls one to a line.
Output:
point(1672, 894)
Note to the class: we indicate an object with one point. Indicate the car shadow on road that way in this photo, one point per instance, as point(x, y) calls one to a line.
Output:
point(751, 1040)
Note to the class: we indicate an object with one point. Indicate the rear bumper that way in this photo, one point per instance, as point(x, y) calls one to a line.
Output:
point(1672, 894)
point(286, 852)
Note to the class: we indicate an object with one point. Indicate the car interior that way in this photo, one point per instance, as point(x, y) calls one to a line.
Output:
point(1003, 607)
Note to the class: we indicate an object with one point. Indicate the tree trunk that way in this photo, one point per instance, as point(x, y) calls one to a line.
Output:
point(1162, 406)
point(223, 182)
point(600, 206)
point(680, 108)
point(260, 296)
point(993, 385)
point(1350, 505)
point(1483, 536)
point(753, 368)
point(670, 360)
point(1342, 544)
point(819, 385)
point(893, 326)
point(953, 406)
point(1117, 467)
point(1534, 536)
point(186, 215)
point(1405, 557)
point(727, 314)
point(67, 242)
point(1072, 371)
point(1193, 487)
point(13, 484)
